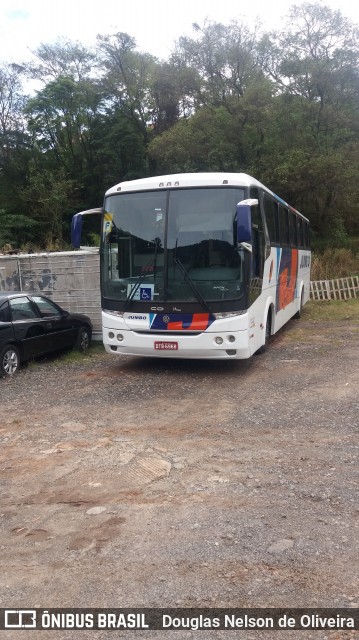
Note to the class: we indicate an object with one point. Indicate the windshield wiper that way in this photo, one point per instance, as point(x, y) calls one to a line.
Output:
point(139, 280)
point(189, 280)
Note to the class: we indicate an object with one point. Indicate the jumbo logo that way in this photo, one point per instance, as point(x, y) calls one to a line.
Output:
point(137, 318)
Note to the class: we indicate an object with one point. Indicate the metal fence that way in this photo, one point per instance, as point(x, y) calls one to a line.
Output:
point(338, 289)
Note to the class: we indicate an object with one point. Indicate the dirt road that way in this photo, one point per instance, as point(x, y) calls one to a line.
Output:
point(132, 482)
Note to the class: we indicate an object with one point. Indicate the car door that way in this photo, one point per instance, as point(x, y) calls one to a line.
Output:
point(6, 329)
point(59, 327)
point(28, 327)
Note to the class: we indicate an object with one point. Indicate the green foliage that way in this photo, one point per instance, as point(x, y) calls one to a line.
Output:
point(205, 142)
point(16, 230)
point(282, 106)
point(47, 195)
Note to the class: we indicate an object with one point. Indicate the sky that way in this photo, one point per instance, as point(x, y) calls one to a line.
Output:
point(155, 24)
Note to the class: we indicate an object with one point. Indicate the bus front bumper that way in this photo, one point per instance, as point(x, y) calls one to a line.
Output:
point(206, 345)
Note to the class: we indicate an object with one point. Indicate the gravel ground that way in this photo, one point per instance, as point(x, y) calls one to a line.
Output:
point(155, 483)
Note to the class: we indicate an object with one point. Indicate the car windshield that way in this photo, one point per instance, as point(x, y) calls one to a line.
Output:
point(172, 245)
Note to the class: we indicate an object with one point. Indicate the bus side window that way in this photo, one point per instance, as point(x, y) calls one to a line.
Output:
point(306, 235)
point(293, 239)
point(271, 214)
point(300, 232)
point(258, 243)
point(283, 226)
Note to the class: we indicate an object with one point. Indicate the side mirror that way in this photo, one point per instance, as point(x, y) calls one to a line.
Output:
point(76, 225)
point(244, 222)
point(76, 230)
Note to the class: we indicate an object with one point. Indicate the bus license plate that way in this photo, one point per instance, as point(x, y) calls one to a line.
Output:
point(161, 345)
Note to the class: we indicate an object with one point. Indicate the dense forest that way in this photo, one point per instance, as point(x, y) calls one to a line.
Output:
point(282, 106)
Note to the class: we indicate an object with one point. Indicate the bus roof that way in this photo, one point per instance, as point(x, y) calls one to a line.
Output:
point(186, 180)
point(183, 180)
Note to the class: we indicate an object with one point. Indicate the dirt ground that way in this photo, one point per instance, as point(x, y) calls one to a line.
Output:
point(161, 483)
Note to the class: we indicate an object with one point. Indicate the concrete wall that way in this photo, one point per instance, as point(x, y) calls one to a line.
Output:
point(70, 278)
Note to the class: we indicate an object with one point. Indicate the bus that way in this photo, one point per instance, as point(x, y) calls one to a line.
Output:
point(199, 265)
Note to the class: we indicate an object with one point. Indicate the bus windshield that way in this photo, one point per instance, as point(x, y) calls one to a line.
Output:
point(172, 245)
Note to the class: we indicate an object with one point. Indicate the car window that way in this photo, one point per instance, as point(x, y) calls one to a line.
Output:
point(5, 312)
point(46, 307)
point(22, 309)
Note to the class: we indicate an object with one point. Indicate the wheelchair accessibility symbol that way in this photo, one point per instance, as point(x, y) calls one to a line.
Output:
point(145, 293)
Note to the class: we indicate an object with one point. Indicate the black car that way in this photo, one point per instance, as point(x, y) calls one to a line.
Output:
point(32, 325)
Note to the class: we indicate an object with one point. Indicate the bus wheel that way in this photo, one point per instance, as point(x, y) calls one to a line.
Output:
point(298, 315)
point(268, 328)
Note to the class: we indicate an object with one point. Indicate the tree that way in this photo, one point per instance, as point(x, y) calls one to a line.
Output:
point(225, 59)
point(173, 89)
point(16, 230)
point(14, 142)
point(63, 58)
point(62, 118)
point(127, 78)
point(47, 197)
point(313, 147)
point(315, 55)
point(205, 142)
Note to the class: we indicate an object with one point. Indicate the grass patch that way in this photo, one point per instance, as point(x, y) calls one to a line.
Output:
point(67, 357)
point(334, 263)
point(337, 310)
point(73, 355)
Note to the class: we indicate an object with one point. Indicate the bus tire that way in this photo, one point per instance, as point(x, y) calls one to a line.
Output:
point(298, 315)
point(268, 329)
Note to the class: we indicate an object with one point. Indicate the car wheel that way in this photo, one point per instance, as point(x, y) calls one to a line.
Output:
point(83, 339)
point(9, 361)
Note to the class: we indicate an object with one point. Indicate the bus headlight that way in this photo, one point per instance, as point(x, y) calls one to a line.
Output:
point(111, 335)
point(218, 340)
point(119, 337)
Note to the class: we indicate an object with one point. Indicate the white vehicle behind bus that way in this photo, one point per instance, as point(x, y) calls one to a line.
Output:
point(200, 265)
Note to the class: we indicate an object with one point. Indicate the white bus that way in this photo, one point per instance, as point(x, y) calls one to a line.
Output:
point(199, 265)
